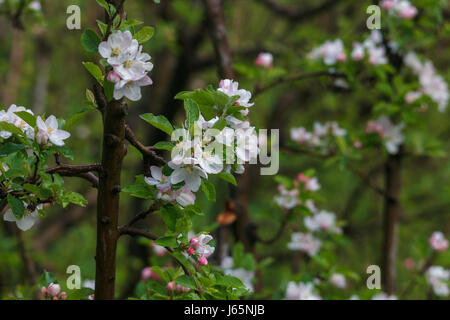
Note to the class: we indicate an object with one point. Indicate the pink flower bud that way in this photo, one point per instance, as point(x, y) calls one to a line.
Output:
point(194, 242)
point(357, 144)
point(409, 264)
point(41, 137)
point(409, 12)
point(190, 251)
point(146, 273)
point(182, 289)
point(387, 4)
point(202, 261)
point(170, 286)
point(113, 77)
point(54, 289)
point(55, 298)
point(44, 291)
point(341, 57)
point(63, 295)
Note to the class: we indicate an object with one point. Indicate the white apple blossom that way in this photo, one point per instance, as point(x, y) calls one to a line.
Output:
point(28, 219)
point(118, 48)
point(190, 173)
point(304, 242)
point(35, 5)
point(438, 278)
point(231, 88)
point(158, 179)
point(300, 135)
point(399, 8)
point(338, 280)
point(330, 52)
point(246, 144)
point(48, 130)
point(204, 249)
point(301, 291)
point(288, 199)
point(323, 220)
point(391, 134)
point(312, 184)
point(432, 84)
point(438, 241)
point(383, 296)
point(265, 60)
point(135, 66)
point(131, 89)
point(244, 275)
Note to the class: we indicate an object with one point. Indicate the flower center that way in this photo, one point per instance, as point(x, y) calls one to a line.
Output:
point(115, 52)
point(128, 64)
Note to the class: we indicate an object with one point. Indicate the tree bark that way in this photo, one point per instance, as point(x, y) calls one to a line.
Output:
point(391, 216)
point(114, 150)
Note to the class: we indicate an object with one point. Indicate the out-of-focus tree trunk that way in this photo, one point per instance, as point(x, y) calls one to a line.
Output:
point(12, 82)
point(391, 216)
point(42, 75)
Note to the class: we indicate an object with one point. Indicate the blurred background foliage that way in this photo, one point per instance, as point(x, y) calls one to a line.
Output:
point(40, 68)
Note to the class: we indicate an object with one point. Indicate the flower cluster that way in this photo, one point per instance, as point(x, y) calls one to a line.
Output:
point(400, 8)
point(432, 84)
point(46, 131)
point(200, 248)
point(265, 60)
point(438, 278)
point(289, 199)
point(28, 219)
point(53, 292)
point(372, 47)
point(330, 52)
point(199, 151)
point(301, 291)
point(320, 136)
point(304, 242)
point(438, 241)
point(245, 276)
point(129, 65)
point(391, 134)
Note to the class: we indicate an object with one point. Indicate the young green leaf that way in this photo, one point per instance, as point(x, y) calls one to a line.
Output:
point(160, 122)
point(90, 41)
point(167, 242)
point(94, 70)
point(209, 190)
point(227, 177)
point(192, 111)
point(16, 205)
point(145, 34)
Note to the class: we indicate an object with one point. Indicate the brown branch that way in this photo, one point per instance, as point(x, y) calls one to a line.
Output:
point(296, 77)
point(142, 215)
point(295, 13)
point(126, 230)
point(30, 269)
point(80, 171)
point(148, 153)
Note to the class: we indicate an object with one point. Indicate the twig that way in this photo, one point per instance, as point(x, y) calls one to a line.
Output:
point(142, 215)
point(297, 77)
point(295, 13)
point(147, 152)
point(125, 230)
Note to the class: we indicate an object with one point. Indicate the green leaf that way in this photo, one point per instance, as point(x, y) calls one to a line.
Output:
point(145, 34)
point(186, 282)
point(167, 242)
point(78, 116)
point(192, 111)
point(75, 198)
point(9, 148)
point(103, 27)
point(230, 281)
point(90, 41)
point(79, 294)
point(209, 190)
point(5, 126)
point(46, 279)
point(109, 90)
point(227, 177)
point(169, 215)
point(164, 145)
point(94, 70)
point(156, 287)
point(27, 117)
point(16, 205)
point(130, 23)
point(160, 122)
point(64, 151)
point(103, 4)
point(139, 190)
